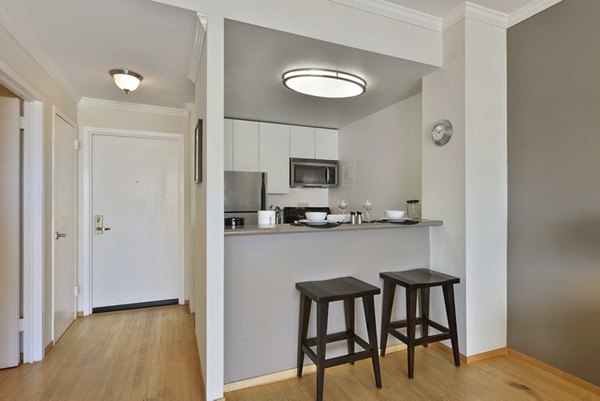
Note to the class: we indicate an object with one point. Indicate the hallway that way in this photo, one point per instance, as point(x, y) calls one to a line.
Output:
point(144, 354)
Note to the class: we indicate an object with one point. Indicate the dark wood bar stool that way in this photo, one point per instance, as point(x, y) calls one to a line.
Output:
point(413, 281)
point(345, 289)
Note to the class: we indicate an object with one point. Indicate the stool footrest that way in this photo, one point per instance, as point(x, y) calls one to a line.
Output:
point(338, 360)
point(341, 336)
point(444, 335)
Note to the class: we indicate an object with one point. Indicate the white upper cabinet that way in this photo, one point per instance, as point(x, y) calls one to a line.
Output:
point(302, 142)
point(228, 145)
point(274, 153)
point(326, 144)
point(245, 145)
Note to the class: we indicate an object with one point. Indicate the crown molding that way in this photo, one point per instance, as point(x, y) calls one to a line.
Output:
point(395, 11)
point(16, 29)
point(530, 10)
point(134, 107)
point(196, 52)
point(486, 15)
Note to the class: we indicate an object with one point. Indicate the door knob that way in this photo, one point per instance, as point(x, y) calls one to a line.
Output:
point(58, 235)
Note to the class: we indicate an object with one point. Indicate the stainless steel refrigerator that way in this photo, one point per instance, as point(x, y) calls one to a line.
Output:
point(245, 195)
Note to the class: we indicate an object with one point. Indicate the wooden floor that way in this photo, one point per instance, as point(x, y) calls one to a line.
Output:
point(144, 354)
point(503, 378)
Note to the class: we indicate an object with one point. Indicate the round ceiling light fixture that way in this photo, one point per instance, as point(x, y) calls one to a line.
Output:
point(126, 80)
point(324, 83)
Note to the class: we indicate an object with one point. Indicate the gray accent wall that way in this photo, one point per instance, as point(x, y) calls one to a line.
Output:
point(554, 187)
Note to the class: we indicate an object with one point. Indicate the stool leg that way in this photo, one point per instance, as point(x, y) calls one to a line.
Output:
point(411, 318)
point(322, 312)
point(349, 313)
point(372, 331)
point(424, 299)
point(451, 315)
point(386, 312)
point(305, 304)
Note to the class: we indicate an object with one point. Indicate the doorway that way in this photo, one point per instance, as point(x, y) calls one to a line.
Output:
point(133, 219)
point(64, 224)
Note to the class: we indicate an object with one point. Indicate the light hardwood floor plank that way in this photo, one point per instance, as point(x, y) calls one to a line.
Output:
point(436, 378)
point(145, 354)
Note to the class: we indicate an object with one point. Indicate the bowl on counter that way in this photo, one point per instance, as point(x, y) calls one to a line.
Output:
point(315, 216)
point(338, 218)
point(394, 214)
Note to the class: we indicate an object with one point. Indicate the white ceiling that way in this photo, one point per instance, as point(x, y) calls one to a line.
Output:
point(85, 39)
point(256, 57)
point(441, 8)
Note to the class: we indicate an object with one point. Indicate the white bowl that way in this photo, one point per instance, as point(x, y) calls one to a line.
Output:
point(315, 216)
point(338, 218)
point(394, 214)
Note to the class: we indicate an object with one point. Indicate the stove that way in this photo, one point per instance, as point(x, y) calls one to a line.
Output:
point(290, 214)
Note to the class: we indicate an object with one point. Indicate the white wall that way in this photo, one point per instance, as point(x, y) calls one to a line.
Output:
point(114, 117)
point(16, 58)
point(385, 147)
point(332, 22)
point(486, 191)
point(209, 209)
point(464, 182)
point(443, 177)
point(313, 196)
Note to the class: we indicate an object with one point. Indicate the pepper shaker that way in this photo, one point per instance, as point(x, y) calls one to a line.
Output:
point(352, 217)
point(359, 219)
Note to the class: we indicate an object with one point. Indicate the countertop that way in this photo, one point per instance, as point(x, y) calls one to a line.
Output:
point(291, 229)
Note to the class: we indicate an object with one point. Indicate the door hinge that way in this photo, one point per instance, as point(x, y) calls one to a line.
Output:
point(21, 325)
point(76, 291)
point(21, 122)
point(76, 144)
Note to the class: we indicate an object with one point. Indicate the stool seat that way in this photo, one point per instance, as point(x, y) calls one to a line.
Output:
point(419, 278)
point(323, 292)
point(418, 282)
point(336, 289)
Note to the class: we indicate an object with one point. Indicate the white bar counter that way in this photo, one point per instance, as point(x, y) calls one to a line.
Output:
point(261, 270)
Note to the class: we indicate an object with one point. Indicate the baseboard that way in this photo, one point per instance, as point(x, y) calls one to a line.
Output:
point(555, 371)
point(287, 374)
point(463, 359)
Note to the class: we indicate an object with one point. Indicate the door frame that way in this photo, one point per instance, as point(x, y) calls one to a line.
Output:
point(87, 217)
point(33, 212)
point(56, 112)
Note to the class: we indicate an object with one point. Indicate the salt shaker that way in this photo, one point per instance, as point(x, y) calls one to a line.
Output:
point(352, 217)
point(359, 219)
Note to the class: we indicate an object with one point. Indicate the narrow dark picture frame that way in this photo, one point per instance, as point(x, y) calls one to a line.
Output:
point(198, 152)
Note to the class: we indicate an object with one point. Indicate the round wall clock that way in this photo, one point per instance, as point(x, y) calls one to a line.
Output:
point(442, 132)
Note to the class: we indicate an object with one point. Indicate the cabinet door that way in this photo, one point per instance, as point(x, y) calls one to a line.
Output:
point(228, 145)
point(274, 145)
point(245, 145)
point(302, 142)
point(326, 144)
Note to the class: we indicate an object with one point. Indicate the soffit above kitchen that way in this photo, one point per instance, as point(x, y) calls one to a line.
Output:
point(256, 58)
point(441, 8)
point(84, 39)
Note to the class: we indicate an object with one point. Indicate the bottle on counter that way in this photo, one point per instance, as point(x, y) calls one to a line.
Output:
point(413, 209)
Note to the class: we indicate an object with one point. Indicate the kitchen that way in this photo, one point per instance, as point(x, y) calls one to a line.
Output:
point(376, 140)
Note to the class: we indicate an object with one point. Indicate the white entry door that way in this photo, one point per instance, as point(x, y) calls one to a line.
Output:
point(10, 231)
point(64, 246)
point(137, 223)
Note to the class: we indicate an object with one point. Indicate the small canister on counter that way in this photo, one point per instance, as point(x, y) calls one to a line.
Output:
point(413, 209)
point(359, 218)
point(352, 217)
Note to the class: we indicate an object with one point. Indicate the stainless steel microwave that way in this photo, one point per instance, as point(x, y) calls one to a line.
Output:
point(313, 173)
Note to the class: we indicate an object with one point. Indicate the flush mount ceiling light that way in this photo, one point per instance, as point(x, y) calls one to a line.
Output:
point(126, 80)
point(324, 83)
